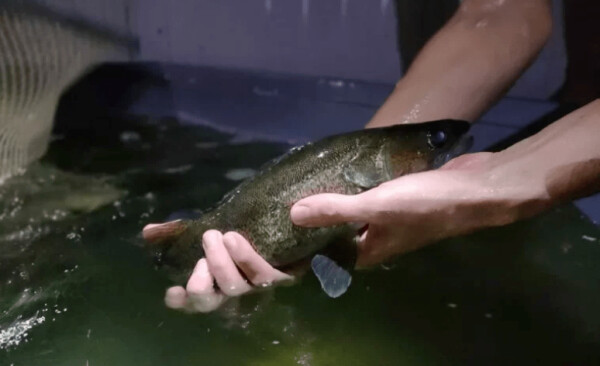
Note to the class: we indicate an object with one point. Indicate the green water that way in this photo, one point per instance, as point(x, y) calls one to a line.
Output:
point(76, 288)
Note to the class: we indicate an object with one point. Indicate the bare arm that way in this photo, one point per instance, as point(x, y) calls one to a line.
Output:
point(562, 162)
point(470, 62)
point(471, 192)
point(461, 71)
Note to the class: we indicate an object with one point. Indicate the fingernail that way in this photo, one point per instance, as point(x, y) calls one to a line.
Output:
point(150, 226)
point(210, 237)
point(201, 266)
point(299, 214)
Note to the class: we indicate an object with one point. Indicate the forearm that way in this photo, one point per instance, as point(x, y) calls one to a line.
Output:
point(559, 164)
point(470, 62)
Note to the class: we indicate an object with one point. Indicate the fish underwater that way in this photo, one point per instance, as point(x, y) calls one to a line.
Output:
point(259, 208)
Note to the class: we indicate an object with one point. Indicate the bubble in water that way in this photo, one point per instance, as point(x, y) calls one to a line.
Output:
point(74, 236)
point(566, 247)
point(129, 136)
point(178, 169)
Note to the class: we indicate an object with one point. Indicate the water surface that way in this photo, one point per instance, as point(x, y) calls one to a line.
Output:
point(76, 288)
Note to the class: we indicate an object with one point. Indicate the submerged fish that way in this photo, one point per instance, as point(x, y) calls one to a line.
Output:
point(259, 208)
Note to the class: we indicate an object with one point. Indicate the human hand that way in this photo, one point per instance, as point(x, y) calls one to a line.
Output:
point(230, 268)
point(404, 214)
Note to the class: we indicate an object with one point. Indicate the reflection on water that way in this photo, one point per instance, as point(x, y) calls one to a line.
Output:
point(76, 288)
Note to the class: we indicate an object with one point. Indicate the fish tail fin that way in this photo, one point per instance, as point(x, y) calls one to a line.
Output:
point(176, 246)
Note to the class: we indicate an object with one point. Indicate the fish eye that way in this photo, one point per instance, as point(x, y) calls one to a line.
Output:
point(437, 138)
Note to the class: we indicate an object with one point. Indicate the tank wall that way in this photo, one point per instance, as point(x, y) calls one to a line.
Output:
point(344, 38)
point(337, 38)
point(352, 39)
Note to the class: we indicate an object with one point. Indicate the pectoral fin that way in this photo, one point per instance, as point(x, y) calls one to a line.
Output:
point(333, 267)
point(364, 178)
point(334, 279)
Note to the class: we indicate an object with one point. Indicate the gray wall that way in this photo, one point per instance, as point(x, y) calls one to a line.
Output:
point(341, 38)
point(337, 38)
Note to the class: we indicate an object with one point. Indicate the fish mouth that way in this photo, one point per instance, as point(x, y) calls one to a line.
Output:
point(463, 145)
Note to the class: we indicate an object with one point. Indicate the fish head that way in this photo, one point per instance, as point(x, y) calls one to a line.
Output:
point(423, 146)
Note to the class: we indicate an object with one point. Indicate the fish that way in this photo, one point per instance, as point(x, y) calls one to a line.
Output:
point(259, 208)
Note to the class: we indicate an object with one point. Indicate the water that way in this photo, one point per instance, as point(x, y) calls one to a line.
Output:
point(76, 288)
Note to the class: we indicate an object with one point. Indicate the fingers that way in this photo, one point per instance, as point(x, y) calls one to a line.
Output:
point(199, 295)
point(176, 298)
point(221, 266)
point(201, 292)
point(329, 209)
point(226, 256)
point(256, 269)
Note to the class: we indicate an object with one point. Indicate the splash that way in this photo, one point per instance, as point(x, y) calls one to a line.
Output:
point(19, 331)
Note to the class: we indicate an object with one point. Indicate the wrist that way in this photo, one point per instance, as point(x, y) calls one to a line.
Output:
point(516, 187)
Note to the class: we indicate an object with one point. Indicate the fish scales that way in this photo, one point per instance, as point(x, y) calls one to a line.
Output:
point(259, 208)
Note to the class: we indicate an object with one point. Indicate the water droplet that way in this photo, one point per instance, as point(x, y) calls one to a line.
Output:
point(481, 24)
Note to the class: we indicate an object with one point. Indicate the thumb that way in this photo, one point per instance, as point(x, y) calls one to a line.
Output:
point(328, 209)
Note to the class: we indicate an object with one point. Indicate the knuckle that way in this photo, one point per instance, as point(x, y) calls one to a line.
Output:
point(329, 209)
point(229, 236)
point(243, 258)
point(216, 266)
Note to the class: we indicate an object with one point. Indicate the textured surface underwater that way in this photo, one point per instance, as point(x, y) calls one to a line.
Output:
point(76, 288)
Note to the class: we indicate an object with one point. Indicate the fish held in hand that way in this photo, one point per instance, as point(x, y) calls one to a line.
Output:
point(259, 208)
